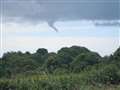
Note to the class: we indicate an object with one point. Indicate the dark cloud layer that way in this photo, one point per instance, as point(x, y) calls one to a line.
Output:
point(56, 10)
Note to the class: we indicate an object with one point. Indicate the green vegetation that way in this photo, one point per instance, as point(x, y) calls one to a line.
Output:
point(74, 68)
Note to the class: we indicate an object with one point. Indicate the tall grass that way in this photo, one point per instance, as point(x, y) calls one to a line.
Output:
point(52, 82)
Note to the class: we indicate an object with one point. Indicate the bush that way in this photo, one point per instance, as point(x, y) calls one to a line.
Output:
point(105, 74)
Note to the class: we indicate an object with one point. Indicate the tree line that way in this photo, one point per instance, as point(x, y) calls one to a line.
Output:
point(67, 60)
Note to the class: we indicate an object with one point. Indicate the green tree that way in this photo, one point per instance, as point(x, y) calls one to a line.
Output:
point(83, 60)
point(116, 55)
point(16, 62)
point(40, 55)
point(50, 63)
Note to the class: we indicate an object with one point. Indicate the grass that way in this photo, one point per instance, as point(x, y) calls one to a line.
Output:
point(52, 82)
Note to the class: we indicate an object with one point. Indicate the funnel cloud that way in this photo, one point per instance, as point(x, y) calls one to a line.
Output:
point(51, 24)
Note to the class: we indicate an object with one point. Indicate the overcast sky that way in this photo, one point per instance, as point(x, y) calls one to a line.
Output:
point(27, 25)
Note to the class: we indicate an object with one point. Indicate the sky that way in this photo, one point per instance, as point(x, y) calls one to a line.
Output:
point(27, 25)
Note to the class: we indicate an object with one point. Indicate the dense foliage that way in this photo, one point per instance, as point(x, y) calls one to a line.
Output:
point(73, 68)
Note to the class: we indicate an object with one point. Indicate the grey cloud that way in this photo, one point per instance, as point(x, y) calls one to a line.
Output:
point(116, 23)
point(60, 10)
